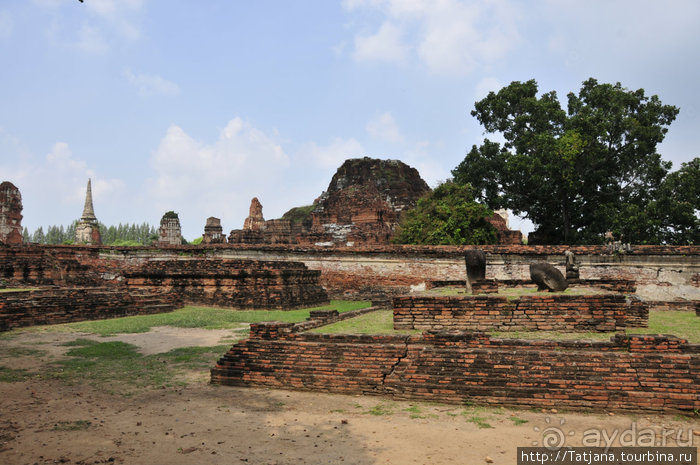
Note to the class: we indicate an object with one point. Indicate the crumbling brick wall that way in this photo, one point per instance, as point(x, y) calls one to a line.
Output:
point(550, 312)
point(648, 373)
point(231, 283)
point(55, 306)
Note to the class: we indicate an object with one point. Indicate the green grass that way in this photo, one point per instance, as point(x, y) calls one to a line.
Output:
point(120, 368)
point(479, 421)
point(685, 325)
point(518, 421)
point(378, 322)
point(9, 352)
point(11, 375)
point(203, 317)
point(381, 409)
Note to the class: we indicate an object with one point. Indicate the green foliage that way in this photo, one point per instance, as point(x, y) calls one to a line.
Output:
point(299, 214)
point(577, 173)
point(121, 235)
point(170, 215)
point(447, 215)
point(198, 240)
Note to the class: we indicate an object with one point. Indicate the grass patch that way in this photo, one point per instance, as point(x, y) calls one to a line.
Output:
point(76, 425)
point(120, 368)
point(518, 421)
point(478, 421)
point(204, 317)
point(381, 409)
point(12, 375)
point(684, 325)
point(9, 352)
point(378, 322)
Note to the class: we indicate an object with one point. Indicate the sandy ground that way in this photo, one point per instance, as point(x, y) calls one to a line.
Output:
point(206, 424)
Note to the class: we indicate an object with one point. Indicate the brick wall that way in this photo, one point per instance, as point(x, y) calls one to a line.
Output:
point(549, 312)
point(55, 306)
point(231, 283)
point(662, 273)
point(651, 373)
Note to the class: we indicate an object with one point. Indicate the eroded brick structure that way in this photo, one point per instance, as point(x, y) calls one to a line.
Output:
point(170, 232)
point(231, 283)
point(10, 214)
point(362, 205)
point(88, 231)
point(255, 220)
point(601, 312)
point(55, 306)
point(630, 372)
point(213, 232)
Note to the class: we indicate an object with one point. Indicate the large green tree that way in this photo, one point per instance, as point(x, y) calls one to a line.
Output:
point(575, 173)
point(447, 215)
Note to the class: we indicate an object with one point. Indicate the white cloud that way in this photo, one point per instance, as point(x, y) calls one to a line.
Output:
point(151, 84)
point(450, 37)
point(334, 154)
point(384, 127)
point(203, 179)
point(385, 45)
point(53, 186)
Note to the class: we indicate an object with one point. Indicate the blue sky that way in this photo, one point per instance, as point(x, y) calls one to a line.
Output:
point(198, 106)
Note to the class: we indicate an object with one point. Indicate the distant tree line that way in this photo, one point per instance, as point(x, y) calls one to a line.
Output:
point(123, 234)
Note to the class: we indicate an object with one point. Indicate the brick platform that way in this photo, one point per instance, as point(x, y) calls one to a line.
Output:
point(647, 373)
point(548, 312)
point(55, 306)
point(232, 283)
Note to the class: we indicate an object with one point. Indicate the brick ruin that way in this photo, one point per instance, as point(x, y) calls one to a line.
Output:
point(56, 306)
point(213, 232)
point(647, 373)
point(170, 232)
point(231, 283)
point(87, 230)
point(92, 271)
point(557, 312)
point(10, 214)
point(362, 205)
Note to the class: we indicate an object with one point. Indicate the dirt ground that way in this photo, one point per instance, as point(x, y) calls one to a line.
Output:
point(48, 421)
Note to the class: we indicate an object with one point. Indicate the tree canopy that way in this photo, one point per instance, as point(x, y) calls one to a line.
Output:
point(581, 172)
point(447, 215)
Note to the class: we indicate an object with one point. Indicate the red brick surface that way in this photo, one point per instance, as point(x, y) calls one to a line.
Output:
point(555, 312)
point(651, 373)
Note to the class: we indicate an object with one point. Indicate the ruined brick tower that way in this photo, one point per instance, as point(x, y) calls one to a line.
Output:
point(255, 220)
point(213, 232)
point(170, 232)
point(87, 231)
point(10, 214)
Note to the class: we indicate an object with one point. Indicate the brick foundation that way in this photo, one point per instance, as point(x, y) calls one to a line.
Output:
point(231, 283)
point(55, 306)
point(555, 312)
point(648, 373)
